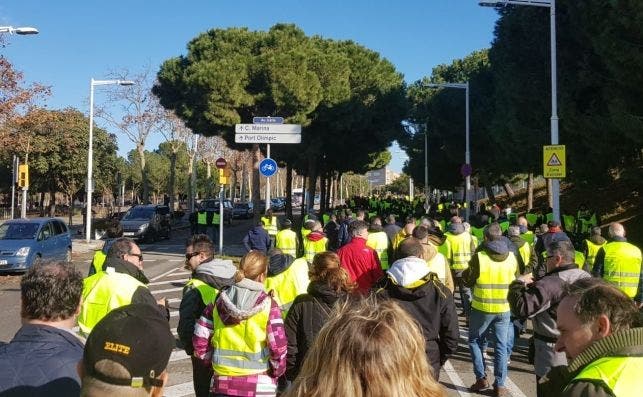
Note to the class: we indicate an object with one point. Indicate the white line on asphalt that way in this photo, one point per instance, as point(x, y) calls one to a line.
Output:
point(178, 280)
point(165, 274)
point(181, 273)
point(178, 355)
point(161, 291)
point(174, 300)
point(176, 260)
point(455, 379)
point(180, 390)
point(174, 313)
point(173, 330)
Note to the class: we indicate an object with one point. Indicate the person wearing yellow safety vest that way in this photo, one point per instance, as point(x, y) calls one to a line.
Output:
point(405, 232)
point(287, 278)
point(527, 260)
point(600, 336)
point(242, 334)
point(270, 225)
point(412, 284)
point(490, 272)
point(591, 246)
point(553, 233)
point(436, 261)
point(525, 233)
point(462, 248)
point(309, 312)
point(538, 301)
point(378, 240)
point(619, 262)
point(113, 232)
point(286, 239)
point(209, 275)
point(314, 242)
point(122, 282)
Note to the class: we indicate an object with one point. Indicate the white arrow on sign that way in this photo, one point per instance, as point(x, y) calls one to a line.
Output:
point(267, 128)
point(267, 138)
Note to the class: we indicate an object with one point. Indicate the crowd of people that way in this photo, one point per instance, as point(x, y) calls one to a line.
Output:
point(348, 305)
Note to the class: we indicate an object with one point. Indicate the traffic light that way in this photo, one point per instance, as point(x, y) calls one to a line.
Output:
point(23, 175)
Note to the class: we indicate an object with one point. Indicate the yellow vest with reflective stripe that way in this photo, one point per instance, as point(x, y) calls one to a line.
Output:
point(460, 250)
point(270, 224)
point(621, 375)
point(314, 247)
point(622, 266)
point(99, 259)
point(379, 242)
point(592, 250)
point(492, 286)
point(202, 218)
point(286, 241)
point(208, 293)
point(579, 259)
point(289, 284)
point(438, 265)
point(102, 293)
point(525, 253)
point(216, 218)
point(241, 349)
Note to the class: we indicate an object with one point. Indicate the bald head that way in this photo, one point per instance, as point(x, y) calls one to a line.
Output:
point(616, 230)
point(522, 221)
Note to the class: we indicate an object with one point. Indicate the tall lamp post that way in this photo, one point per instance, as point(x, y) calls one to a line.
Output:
point(551, 4)
point(467, 153)
point(90, 150)
point(23, 30)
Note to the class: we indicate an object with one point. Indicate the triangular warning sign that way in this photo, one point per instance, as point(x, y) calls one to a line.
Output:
point(554, 161)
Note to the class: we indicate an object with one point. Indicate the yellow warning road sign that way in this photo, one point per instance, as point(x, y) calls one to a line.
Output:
point(554, 161)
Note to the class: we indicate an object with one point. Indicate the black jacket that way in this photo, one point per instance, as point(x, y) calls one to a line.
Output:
point(40, 361)
point(432, 306)
point(306, 317)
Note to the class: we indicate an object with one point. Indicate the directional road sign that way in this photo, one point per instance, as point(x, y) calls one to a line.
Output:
point(267, 128)
point(268, 167)
point(268, 120)
point(267, 138)
point(554, 161)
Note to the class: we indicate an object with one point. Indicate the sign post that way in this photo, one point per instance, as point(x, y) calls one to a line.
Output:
point(221, 164)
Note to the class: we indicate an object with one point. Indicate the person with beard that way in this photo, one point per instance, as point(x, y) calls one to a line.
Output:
point(209, 275)
point(329, 282)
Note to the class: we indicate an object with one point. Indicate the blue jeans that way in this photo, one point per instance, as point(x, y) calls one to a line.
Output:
point(479, 324)
point(465, 293)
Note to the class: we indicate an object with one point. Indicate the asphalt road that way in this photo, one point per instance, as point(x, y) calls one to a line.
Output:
point(163, 265)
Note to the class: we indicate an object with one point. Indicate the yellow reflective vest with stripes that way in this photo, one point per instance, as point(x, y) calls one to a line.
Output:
point(286, 241)
point(208, 293)
point(288, 284)
point(460, 250)
point(622, 266)
point(379, 242)
point(492, 286)
point(620, 374)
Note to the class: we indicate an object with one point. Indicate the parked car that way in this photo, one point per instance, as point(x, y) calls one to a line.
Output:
point(147, 223)
point(213, 205)
point(24, 242)
point(277, 204)
point(242, 210)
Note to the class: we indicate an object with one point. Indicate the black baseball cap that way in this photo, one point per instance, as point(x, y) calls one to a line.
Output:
point(136, 336)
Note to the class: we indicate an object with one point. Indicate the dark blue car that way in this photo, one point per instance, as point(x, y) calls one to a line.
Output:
point(24, 242)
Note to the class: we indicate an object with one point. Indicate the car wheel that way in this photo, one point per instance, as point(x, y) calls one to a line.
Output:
point(68, 255)
point(37, 260)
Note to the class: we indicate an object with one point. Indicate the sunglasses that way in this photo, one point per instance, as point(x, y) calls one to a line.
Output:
point(191, 255)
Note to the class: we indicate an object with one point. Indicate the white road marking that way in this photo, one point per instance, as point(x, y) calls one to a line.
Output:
point(178, 280)
point(455, 379)
point(174, 300)
point(161, 291)
point(174, 313)
point(173, 330)
point(178, 355)
point(180, 390)
point(165, 274)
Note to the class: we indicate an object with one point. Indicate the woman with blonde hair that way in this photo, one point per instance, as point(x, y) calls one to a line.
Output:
point(241, 334)
point(329, 282)
point(367, 349)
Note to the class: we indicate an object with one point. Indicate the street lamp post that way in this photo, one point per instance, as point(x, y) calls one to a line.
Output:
point(23, 30)
point(551, 4)
point(467, 152)
point(426, 169)
point(90, 150)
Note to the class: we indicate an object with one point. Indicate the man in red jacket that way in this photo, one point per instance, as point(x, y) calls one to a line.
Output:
point(361, 262)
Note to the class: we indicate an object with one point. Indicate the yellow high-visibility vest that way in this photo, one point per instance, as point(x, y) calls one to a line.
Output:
point(438, 265)
point(241, 349)
point(270, 224)
point(379, 242)
point(592, 250)
point(619, 374)
point(288, 284)
point(202, 218)
point(102, 293)
point(286, 241)
point(529, 237)
point(208, 293)
point(622, 266)
point(525, 253)
point(98, 260)
point(460, 250)
point(492, 286)
point(314, 247)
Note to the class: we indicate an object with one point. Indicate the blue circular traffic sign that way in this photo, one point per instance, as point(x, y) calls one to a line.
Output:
point(268, 167)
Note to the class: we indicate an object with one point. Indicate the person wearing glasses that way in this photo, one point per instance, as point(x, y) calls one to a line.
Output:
point(121, 282)
point(209, 275)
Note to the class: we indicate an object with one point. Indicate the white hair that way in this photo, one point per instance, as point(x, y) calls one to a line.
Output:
point(616, 230)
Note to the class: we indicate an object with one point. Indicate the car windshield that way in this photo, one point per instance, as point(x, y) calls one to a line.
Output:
point(242, 206)
point(18, 231)
point(139, 213)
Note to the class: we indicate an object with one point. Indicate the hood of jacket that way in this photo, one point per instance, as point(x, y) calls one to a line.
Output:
point(123, 266)
point(279, 263)
point(498, 250)
point(407, 271)
point(315, 236)
point(375, 228)
point(456, 228)
point(517, 241)
point(324, 293)
point(217, 273)
point(241, 301)
point(436, 237)
point(258, 230)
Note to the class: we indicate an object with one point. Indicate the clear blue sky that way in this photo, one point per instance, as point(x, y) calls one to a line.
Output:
point(79, 40)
